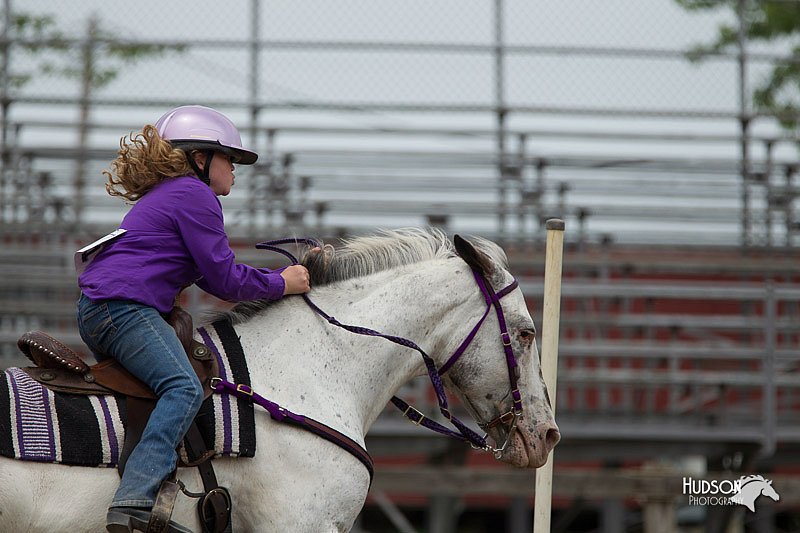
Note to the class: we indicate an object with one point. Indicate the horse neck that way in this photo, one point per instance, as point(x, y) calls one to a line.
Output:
point(359, 374)
point(409, 302)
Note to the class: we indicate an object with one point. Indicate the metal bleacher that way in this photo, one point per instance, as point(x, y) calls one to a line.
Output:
point(676, 339)
point(709, 361)
point(654, 254)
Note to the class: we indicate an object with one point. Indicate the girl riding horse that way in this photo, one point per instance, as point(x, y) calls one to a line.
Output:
point(174, 237)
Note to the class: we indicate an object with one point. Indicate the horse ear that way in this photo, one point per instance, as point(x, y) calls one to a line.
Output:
point(476, 259)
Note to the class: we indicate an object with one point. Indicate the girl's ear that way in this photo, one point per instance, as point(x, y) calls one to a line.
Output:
point(476, 259)
point(199, 159)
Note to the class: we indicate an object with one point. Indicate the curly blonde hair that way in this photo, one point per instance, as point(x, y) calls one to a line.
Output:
point(144, 160)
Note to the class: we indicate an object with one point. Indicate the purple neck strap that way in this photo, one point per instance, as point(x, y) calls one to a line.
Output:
point(281, 414)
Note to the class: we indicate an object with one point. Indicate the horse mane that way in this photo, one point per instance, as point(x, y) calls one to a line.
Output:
point(366, 255)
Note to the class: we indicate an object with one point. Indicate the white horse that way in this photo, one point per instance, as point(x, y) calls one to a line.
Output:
point(409, 283)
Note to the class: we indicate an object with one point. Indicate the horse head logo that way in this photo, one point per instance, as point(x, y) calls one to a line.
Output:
point(751, 488)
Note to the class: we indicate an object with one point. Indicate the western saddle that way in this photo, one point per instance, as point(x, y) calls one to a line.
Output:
point(61, 369)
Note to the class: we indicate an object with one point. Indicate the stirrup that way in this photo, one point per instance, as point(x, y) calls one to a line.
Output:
point(214, 508)
point(130, 519)
point(162, 508)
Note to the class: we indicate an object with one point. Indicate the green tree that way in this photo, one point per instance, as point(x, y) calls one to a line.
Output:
point(49, 51)
point(94, 58)
point(765, 21)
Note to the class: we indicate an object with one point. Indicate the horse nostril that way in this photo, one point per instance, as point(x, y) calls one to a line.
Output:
point(551, 438)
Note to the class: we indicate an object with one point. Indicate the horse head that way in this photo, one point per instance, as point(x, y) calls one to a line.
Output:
point(497, 377)
point(482, 378)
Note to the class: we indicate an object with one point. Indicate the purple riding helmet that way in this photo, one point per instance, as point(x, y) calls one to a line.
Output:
point(195, 127)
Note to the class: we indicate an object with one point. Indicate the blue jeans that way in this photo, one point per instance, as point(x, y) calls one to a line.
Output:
point(139, 338)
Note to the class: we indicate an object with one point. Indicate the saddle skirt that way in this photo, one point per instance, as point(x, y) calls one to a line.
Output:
point(38, 424)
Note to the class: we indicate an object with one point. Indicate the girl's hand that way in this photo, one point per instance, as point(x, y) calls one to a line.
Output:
point(295, 279)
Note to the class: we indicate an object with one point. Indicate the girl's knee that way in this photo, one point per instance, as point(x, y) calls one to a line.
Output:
point(196, 393)
point(189, 389)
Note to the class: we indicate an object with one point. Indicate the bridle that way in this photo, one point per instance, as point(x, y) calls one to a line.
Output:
point(492, 298)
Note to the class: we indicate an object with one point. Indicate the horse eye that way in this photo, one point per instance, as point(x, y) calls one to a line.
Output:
point(527, 334)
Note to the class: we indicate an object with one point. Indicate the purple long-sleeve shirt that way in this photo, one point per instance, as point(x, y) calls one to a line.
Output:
point(175, 237)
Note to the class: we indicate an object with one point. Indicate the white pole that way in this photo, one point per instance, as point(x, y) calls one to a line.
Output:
point(551, 313)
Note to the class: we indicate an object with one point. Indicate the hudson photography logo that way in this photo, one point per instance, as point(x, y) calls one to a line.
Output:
point(743, 491)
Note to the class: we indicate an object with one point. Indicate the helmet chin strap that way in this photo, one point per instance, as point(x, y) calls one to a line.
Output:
point(202, 174)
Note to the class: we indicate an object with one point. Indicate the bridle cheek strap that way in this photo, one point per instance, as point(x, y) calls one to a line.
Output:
point(493, 300)
point(511, 361)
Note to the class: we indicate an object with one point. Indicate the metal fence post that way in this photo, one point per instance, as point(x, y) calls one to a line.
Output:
point(87, 83)
point(768, 404)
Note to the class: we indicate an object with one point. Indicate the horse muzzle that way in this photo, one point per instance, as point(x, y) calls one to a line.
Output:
point(528, 447)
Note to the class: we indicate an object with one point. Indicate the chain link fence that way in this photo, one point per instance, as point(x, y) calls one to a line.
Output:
point(522, 90)
point(609, 56)
point(544, 104)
